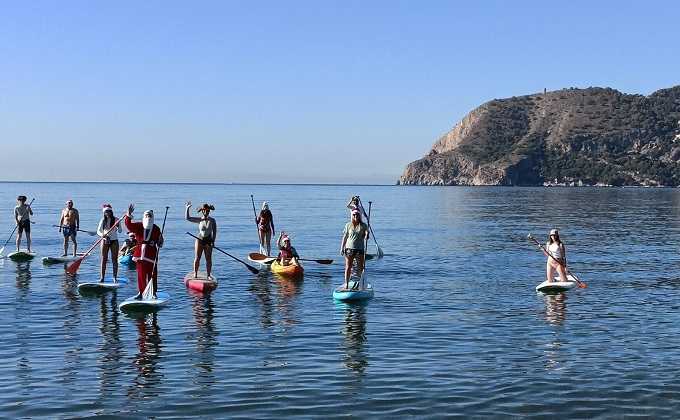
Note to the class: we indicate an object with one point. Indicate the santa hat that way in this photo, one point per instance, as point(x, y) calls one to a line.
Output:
point(106, 207)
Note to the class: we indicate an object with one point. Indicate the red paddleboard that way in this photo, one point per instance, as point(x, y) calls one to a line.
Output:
point(200, 283)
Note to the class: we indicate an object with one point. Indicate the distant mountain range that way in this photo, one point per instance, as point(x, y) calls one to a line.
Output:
point(594, 136)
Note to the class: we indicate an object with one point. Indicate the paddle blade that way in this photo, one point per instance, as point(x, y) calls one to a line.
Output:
point(379, 251)
point(73, 268)
point(2, 250)
point(324, 261)
point(253, 269)
point(256, 256)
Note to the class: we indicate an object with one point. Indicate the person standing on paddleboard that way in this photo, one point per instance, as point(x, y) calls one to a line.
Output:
point(288, 254)
point(557, 252)
point(110, 241)
point(150, 239)
point(207, 233)
point(69, 223)
point(353, 245)
point(265, 227)
point(22, 218)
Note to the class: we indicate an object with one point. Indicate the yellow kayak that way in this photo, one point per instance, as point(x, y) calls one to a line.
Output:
point(286, 270)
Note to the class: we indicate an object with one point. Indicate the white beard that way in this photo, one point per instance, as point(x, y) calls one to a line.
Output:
point(147, 222)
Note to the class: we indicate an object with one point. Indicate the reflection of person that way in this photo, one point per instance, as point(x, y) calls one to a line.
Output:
point(288, 254)
point(207, 233)
point(128, 245)
point(150, 240)
point(110, 241)
point(557, 257)
point(353, 246)
point(69, 223)
point(22, 218)
point(265, 225)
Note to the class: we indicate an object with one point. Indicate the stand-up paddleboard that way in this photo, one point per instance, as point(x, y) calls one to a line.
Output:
point(145, 304)
point(556, 286)
point(353, 294)
point(201, 283)
point(264, 262)
point(21, 255)
point(102, 286)
point(62, 259)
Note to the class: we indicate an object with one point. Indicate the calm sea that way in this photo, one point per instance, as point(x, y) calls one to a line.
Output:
point(456, 328)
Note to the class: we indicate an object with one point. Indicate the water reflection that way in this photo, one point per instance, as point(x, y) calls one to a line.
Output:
point(555, 308)
point(277, 297)
point(356, 353)
point(112, 350)
point(205, 340)
point(23, 276)
point(146, 361)
point(555, 314)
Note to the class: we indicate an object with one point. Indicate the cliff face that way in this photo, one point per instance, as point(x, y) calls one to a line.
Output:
point(576, 136)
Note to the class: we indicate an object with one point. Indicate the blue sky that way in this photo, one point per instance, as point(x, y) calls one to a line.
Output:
point(299, 91)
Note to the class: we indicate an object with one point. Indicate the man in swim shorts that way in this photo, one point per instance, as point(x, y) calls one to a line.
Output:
point(69, 223)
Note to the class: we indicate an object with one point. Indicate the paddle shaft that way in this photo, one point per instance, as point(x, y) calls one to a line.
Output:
point(17, 225)
point(256, 256)
point(155, 261)
point(250, 267)
point(370, 229)
point(79, 230)
point(73, 268)
point(580, 283)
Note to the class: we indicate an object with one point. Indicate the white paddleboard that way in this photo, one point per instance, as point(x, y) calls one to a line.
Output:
point(107, 284)
point(556, 286)
point(21, 255)
point(132, 304)
point(60, 259)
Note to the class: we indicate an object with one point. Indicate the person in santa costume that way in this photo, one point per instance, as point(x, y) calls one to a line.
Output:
point(150, 239)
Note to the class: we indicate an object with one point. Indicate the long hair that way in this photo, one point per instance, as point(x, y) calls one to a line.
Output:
point(266, 214)
point(109, 221)
point(556, 241)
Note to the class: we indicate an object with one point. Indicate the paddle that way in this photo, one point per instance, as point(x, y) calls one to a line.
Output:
point(73, 268)
point(379, 251)
point(256, 226)
point(149, 291)
point(261, 257)
point(580, 283)
point(250, 267)
point(79, 230)
point(16, 226)
point(362, 281)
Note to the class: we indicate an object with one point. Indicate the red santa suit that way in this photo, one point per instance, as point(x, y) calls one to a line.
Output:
point(148, 242)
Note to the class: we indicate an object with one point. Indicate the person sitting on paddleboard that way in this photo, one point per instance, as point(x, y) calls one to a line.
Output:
point(128, 245)
point(207, 233)
point(69, 223)
point(110, 241)
point(557, 252)
point(288, 254)
point(353, 245)
point(22, 217)
point(265, 226)
point(150, 240)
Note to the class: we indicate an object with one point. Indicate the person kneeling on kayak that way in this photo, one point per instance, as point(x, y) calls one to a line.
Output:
point(288, 254)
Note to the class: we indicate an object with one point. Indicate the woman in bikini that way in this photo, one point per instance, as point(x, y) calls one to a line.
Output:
point(265, 225)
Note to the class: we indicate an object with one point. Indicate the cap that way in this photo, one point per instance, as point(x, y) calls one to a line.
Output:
point(355, 211)
point(69, 201)
point(107, 207)
point(149, 213)
point(265, 206)
point(285, 238)
point(554, 232)
point(131, 234)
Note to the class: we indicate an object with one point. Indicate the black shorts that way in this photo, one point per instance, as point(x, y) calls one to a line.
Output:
point(353, 252)
point(25, 225)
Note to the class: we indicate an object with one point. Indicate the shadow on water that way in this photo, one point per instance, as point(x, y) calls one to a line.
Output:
point(146, 361)
point(555, 316)
point(356, 352)
point(113, 349)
